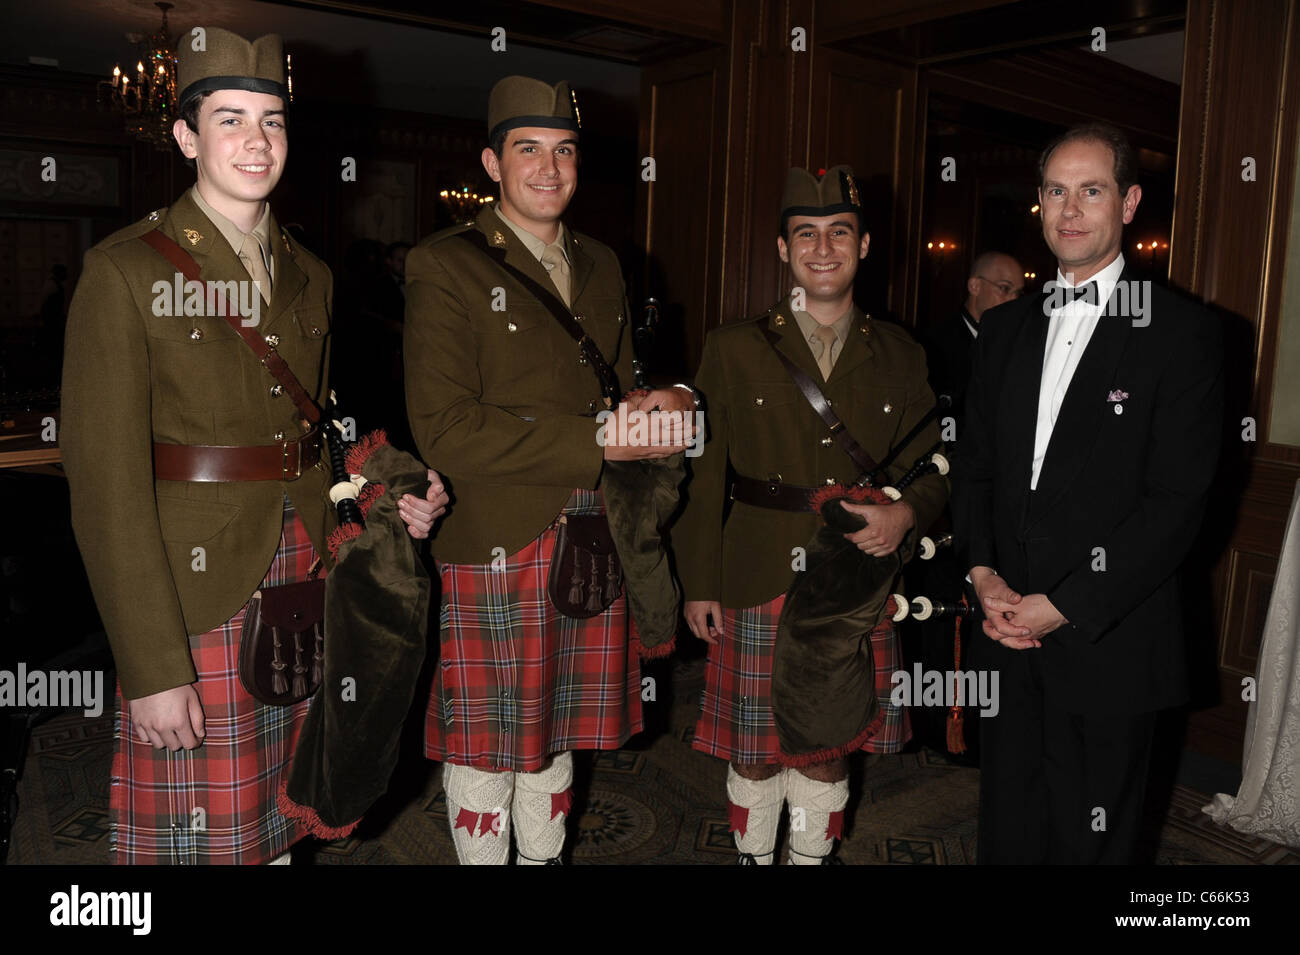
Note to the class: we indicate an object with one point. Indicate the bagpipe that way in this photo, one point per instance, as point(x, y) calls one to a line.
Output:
point(823, 678)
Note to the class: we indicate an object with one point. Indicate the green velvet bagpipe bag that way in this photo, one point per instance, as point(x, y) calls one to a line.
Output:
point(823, 675)
point(640, 496)
point(376, 614)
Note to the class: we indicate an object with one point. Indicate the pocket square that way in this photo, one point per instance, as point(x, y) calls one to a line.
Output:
point(1117, 395)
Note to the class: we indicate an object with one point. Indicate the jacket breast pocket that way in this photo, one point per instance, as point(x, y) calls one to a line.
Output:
point(516, 353)
point(198, 363)
point(312, 321)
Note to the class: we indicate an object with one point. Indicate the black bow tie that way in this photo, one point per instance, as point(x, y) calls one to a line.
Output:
point(1089, 292)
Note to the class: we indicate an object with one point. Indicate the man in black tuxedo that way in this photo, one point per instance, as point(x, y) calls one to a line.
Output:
point(995, 278)
point(1092, 431)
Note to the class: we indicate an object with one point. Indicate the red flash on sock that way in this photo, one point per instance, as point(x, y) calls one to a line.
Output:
point(835, 825)
point(561, 803)
point(489, 822)
point(737, 819)
point(467, 820)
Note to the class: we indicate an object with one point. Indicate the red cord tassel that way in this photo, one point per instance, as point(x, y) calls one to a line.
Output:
point(956, 720)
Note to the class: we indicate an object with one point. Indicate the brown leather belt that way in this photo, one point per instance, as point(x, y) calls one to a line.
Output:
point(771, 494)
point(285, 461)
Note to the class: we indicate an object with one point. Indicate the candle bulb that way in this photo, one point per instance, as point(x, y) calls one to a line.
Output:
point(117, 75)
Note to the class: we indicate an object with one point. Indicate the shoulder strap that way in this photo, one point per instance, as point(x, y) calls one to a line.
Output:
point(865, 463)
point(165, 246)
point(604, 373)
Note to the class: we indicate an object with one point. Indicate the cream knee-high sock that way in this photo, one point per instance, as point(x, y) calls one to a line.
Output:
point(541, 808)
point(754, 811)
point(478, 810)
point(816, 816)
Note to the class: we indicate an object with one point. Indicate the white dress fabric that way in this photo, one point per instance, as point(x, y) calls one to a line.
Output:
point(1268, 802)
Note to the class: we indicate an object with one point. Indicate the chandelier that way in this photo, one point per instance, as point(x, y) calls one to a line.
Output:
point(463, 204)
point(147, 100)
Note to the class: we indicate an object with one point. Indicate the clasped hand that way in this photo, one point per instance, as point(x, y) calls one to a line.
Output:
point(1015, 621)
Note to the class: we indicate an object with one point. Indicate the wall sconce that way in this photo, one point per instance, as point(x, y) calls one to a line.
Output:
point(1152, 249)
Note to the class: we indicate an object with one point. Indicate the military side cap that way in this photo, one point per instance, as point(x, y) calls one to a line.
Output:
point(523, 101)
point(229, 62)
point(808, 195)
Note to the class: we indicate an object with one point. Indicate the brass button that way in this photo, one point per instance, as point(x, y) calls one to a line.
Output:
point(827, 441)
point(621, 319)
point(273, 341)
point(196, 334)
point(577, 318)
point(315, 331)
point(279, 436)
point(779, 320)
point(582, 359)
point(888, 408)
point(277, 391)
point(153, 216)
point(591, 406)
point(759, 402)
point(511, 327)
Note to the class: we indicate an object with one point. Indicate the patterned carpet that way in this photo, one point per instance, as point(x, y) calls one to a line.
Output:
point(656, 801)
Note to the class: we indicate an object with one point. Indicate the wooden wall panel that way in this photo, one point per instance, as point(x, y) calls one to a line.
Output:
point(678, 214)
point(864, 113)
point(1241, 81)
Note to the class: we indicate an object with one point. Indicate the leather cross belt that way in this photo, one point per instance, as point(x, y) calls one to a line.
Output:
point(285, 461)
point(771, 494)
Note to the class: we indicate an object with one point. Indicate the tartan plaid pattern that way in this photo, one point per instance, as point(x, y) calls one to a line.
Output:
point(519, 681)
point(736, 721)
point(215, 805)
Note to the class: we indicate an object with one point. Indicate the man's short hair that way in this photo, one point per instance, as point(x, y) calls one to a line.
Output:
point(1121, 150)
point(189, 112)
point(982, 263)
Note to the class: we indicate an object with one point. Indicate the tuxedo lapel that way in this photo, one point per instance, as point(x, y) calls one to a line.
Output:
point(1082, 411)
point(1019, 406)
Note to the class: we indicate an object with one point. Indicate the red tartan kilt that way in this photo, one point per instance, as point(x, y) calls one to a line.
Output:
point(518, 681)
point(215, 805)
point(736, 721)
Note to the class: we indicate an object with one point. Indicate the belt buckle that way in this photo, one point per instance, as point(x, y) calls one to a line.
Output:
point(774, 484)
point(284, 460)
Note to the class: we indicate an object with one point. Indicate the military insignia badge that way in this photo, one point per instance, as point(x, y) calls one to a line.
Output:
point(852, 188)
point(193, 236)
point(577, 114)
point(779, 320)
point(498, 240)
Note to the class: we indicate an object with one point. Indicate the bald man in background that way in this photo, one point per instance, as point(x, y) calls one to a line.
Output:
point(995, 277)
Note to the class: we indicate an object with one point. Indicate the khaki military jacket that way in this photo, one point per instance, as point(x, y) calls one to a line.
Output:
point(132, 377)
point(498, 400)
point(760, 422)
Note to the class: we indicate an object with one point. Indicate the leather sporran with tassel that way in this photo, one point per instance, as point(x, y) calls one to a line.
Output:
point(282, 644)
point(585, 575)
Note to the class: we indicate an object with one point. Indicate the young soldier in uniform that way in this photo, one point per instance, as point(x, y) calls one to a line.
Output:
point(499, 389)
point(192, 480)
point(781, 450)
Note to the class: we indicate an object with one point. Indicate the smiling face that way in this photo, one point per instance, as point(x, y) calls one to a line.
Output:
point(538, 172)
point(239, 151)
point(823, 252)
point(1084, 213)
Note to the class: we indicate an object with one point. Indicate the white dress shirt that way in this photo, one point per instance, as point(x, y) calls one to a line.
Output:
point(1069, 329)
